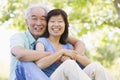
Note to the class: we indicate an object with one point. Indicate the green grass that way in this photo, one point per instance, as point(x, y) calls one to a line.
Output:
point(3, 78)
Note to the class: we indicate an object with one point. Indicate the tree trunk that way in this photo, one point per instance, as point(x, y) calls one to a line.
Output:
point(117, 6)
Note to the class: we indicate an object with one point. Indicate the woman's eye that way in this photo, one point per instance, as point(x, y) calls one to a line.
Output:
point(60, 21)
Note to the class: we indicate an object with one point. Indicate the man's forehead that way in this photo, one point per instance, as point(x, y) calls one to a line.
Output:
point(38, 10)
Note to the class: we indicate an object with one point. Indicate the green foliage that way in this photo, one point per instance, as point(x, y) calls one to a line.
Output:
point(81, 12)
point(14, 13)
point(57, 3)
point(107, 52)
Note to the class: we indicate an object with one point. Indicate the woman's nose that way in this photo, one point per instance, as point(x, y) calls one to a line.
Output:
point(56, 24)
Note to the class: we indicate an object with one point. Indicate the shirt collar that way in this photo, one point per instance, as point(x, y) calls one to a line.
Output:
point(30, 37)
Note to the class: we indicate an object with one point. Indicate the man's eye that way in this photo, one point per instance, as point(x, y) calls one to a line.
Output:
point(34, 18)
point(52, 21)
point(43, 19)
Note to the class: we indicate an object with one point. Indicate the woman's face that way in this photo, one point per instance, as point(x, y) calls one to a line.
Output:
point(56, 25)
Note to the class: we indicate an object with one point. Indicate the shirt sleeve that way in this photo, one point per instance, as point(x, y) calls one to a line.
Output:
point(16, 40)
point(43, 40)
point(68, 46)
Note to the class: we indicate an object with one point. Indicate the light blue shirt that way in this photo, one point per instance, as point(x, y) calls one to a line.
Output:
point(24, 39)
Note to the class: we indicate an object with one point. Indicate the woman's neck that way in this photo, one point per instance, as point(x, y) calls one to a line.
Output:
point(54, 40)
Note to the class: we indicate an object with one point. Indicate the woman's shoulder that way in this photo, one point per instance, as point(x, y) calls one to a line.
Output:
point(68, 46)
point(41, 38)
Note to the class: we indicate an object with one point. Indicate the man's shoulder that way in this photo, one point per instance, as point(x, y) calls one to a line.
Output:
point(18, 34)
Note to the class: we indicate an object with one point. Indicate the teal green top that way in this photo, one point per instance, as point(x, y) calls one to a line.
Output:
point(24, 39)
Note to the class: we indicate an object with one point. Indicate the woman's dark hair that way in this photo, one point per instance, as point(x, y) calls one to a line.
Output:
point(55, 12)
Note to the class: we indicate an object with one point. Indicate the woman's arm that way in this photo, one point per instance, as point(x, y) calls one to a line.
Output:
point(48, 60)
point(82, 59)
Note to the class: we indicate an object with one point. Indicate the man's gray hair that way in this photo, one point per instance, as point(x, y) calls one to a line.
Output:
point(27, 13)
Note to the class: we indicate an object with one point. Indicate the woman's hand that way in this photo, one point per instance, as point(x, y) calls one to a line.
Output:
point(63, 58)
point(71, 54)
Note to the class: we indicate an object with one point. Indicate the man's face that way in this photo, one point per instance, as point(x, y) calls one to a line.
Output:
point(37, 22)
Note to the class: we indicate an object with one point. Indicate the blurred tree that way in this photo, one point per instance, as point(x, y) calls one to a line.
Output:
point(86, 13)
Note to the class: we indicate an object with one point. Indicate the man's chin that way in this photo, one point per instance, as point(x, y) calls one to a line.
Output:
point(40, 34)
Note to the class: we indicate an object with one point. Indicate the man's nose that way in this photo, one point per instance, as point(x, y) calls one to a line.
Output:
point(38, 22)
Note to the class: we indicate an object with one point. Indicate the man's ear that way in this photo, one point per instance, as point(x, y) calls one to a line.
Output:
point(26, 22)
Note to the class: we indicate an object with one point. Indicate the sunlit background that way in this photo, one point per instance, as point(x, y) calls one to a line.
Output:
point(5, 35)
point(95, 22)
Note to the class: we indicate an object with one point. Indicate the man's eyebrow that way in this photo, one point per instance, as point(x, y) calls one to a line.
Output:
point(44, 16)
point(33, 16)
